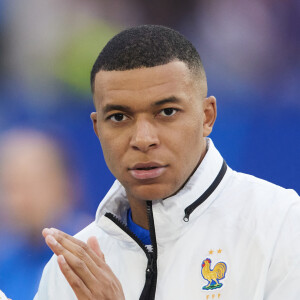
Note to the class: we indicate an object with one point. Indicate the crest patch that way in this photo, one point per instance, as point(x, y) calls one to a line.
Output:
point(213, 276)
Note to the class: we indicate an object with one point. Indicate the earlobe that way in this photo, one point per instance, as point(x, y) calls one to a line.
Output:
point(94, 120)
point(210, 114)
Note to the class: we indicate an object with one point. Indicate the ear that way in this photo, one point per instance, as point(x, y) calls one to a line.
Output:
point(210, 114)
point(94, 120)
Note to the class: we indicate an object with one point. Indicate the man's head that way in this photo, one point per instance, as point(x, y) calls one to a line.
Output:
point(152, 114)
point(34, 181)
point(147, 46)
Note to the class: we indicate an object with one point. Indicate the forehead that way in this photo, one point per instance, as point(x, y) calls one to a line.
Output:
point(152, 83)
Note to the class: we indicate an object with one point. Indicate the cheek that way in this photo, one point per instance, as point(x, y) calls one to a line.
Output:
point(188, 148)
point(113, 150)
point(109, 154)
point(189, 137)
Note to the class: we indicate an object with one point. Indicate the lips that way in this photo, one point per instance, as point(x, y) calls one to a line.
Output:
point(148, 170)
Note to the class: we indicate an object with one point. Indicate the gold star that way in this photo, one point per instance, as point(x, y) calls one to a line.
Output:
point(207, 296)
point(219, 295)
point(213, 296)
point(220, 250)
point(210, 252)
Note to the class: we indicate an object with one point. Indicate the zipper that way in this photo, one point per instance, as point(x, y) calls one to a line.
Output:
point(148, 292)
point(206, 194)
point(124, 227)
point(149, 289)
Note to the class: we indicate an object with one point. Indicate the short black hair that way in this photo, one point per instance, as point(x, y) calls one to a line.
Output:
point(146, 46)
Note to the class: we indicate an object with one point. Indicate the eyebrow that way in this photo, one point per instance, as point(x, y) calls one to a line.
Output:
point(171, 99)
point(109, 107)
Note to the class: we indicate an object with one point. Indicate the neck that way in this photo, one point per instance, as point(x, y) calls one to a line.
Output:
point(139, 212)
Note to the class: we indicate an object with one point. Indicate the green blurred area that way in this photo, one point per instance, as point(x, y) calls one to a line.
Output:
point(77, 57)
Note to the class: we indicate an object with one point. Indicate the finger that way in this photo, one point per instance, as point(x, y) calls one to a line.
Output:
point(94, 245)
point(81, 250)
point(76, 246)
point(47, 231)
point(105, 277)
point(78, 266)
point(80, 260)
point(78, 286)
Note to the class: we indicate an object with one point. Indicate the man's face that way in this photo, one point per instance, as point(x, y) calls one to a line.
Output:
point(151, 123)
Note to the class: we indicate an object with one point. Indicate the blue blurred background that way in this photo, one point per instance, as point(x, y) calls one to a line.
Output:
point(51, 168)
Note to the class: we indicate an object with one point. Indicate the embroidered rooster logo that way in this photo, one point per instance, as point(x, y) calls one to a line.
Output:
point(213, 276)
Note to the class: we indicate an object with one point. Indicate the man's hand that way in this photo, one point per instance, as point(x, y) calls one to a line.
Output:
point(84, 266)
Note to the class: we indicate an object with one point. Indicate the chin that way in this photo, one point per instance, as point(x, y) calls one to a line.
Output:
point(152, 192)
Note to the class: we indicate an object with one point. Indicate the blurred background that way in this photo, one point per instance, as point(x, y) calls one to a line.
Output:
point(51, 168)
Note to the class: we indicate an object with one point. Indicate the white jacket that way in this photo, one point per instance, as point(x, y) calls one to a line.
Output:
point(249, 226)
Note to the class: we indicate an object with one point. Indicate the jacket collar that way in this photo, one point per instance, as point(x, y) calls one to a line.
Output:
point(169, 213)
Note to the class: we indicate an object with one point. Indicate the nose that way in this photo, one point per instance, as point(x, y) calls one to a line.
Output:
point(144, 136)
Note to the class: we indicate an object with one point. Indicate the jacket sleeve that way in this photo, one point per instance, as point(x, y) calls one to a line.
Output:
point(53, 284)
point(284, 271)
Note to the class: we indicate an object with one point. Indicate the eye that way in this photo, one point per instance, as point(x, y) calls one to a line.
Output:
point(168, 112)
point(117, 117)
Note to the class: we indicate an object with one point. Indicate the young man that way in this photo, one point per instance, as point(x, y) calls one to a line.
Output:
point(178, 223)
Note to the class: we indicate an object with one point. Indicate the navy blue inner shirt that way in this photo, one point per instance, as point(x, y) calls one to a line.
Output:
point(142, 233)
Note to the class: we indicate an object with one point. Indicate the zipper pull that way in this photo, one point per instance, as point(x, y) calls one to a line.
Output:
point(149, 270)
point(147, 290)
point(186, 217)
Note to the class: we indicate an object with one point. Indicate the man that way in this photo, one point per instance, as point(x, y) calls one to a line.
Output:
point(34, 174)
point(178, 223)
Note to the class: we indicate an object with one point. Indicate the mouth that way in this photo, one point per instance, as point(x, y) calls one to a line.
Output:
point(149, 170)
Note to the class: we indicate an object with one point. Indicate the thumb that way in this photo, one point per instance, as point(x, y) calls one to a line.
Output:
point(93, 243)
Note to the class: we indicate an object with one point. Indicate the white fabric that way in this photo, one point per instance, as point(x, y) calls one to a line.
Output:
point(2, 296)
point(251, 225)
